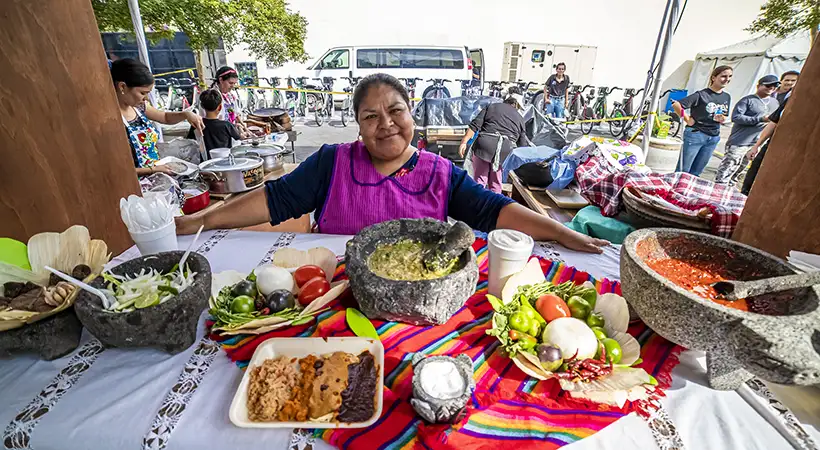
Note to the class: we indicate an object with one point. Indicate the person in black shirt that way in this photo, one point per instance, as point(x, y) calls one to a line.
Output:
point(500, 128)
point(755, 153)
point(709, 108)
point(787, 82)
point(555, 91)
point(217, 133)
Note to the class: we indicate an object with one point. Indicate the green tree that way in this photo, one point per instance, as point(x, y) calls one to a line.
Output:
point(271, 31)
point(784, 17)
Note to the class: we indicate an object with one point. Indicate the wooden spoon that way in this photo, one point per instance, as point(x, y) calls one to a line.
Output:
point(735, 290)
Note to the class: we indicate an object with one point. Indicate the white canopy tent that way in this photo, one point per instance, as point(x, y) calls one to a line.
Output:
point(751, 60)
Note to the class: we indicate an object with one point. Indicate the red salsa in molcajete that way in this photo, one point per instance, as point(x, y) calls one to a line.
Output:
point(703, 266)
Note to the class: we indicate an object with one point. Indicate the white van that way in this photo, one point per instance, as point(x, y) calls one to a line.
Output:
point(402, 61)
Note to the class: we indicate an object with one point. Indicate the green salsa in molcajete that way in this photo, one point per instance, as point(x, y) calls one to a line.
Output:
point(403, 261)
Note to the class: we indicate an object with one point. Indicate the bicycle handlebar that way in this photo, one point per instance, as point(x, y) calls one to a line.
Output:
point(411, 79)
point(614, 89)
point(439, 80)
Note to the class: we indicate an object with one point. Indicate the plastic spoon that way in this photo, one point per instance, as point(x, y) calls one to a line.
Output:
point(140, 213)
point(103, 297)
point(734, 290)
point(124, 214)
point(188, 250)
point(155, 211)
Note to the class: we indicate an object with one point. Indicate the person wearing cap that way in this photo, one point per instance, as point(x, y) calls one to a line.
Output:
point(749, 117)
point(498, 126)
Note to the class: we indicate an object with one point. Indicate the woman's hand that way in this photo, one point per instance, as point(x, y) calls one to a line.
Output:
point(583, 243)
point(189, 224)
point(163, 169)
point(689, 121)
point(195, 120)
point(462, 150)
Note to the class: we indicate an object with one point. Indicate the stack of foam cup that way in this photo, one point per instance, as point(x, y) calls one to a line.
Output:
point(509, 252)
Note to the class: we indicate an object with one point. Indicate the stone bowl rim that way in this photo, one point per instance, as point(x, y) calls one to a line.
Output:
point(630, 247)
point(358, 240)
point(93, 305)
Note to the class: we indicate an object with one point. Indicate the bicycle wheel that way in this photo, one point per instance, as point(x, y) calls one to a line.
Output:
point(617, 127)
point(586, 127)
point(163, 101)
point(318, 116)
point(674, 128)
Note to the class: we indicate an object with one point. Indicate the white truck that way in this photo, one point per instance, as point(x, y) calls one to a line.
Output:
point(527, 61)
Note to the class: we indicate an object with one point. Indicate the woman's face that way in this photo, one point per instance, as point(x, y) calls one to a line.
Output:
point(385, 123)
point(722, 79)
point(133, 96)
point(228, 84)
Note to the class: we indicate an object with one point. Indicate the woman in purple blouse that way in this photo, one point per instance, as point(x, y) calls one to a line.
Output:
point(382, 177)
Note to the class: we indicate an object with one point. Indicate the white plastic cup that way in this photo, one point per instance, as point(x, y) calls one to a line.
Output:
point(163, 239)
point(509, 252)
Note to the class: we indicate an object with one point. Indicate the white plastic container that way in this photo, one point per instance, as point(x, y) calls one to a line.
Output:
point(509, 252)
point(163, 239)
point(299, 348)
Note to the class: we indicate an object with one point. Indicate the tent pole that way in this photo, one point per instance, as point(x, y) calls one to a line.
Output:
point(139, 32)
point(674, 6)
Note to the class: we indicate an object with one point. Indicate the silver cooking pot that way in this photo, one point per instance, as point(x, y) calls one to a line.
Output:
point(232, 174)
point(272, 155)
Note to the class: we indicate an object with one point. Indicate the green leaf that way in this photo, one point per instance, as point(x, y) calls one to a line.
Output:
point(653, 381)
point(302, 321)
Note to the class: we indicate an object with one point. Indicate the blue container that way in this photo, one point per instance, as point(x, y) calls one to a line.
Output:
point(674, 96)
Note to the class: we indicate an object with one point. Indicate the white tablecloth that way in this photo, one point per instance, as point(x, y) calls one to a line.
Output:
point(125, 398)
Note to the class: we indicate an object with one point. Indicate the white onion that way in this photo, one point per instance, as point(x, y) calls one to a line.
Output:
point(571, 336)
point(270, 278)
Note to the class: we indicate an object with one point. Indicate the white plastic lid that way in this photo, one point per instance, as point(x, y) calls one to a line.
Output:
point(511, 241)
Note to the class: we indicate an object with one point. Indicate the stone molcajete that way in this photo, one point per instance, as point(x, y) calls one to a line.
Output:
point(422, 302)
point(430, 405)
point(170, 326)
point(738, 344)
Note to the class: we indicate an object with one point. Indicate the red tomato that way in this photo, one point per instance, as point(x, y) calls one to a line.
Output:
point(551, 307)
point(307, 273)
point(313, 289)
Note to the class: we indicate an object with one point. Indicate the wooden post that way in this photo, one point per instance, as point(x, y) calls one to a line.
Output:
point(783, 209)
point(65, 156)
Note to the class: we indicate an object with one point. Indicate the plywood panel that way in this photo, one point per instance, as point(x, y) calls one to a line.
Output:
point(65, 157)
point(783, 209)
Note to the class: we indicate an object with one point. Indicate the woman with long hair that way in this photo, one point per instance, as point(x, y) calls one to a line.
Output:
point(708, 110)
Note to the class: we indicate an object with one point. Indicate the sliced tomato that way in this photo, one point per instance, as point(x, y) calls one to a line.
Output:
point(306, 273)
point(313, 289)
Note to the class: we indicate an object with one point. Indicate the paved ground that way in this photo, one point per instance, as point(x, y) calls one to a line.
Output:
point(313, 137)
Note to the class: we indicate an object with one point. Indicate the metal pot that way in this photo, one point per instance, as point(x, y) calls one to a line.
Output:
point(272, 154)
point(232, 174)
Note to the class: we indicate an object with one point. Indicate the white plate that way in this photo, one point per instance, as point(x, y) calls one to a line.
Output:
point(299, 348)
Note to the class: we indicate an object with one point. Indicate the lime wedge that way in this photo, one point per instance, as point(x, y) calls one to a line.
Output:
point(147, 300)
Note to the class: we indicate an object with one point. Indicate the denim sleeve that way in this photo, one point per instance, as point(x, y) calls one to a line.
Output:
point(472, 203)
point(303, 190)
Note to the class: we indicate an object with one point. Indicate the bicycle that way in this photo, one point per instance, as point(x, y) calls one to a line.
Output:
point(256, 98)
point(625, 109)
point(277, 101)
point(469, 89)
point(674, 119)
point(297, 101)
point(347, 104)
point(323, 103)
point(495, 88)
point(577, 104)
point(599, 109)
point(437, 89)
point(529, 95)
point(588, 113)
point(410, 85)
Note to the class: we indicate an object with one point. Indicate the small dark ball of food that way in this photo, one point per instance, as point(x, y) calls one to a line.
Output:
point(280, 300)
point(244, 287)
point(81, 272)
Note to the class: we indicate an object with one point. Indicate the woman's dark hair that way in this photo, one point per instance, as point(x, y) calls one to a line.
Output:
point(131, 72)
point(210, 99)
point(718, 70)
point(374, 80)
point(510, 100)
point(225, 73)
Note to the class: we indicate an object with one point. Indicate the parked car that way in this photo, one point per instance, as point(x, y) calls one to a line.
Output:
point(425, 62)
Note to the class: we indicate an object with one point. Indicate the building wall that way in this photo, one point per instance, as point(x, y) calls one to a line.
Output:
point(623, 30)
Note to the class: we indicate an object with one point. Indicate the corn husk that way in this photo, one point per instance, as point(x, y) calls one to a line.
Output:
point(530, 365)
point(222, 279)
point(615, 311)
point(336, 290)
point(614, 398)
point(291, 259)
point(621, 379)
point(630, 348)
point(530, 274)
point(62, 251)
point(259, 330)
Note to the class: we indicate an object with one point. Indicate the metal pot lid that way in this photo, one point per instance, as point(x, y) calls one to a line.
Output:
point(225, 164)
point(260, 148)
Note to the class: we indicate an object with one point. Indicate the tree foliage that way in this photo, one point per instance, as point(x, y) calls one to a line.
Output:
point(784, 17)
point(270, 30)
